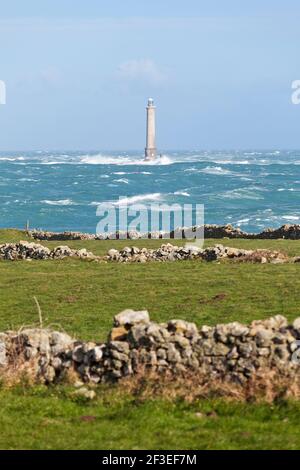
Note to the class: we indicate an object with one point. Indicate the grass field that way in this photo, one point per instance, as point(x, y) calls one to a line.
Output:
point(83, 297)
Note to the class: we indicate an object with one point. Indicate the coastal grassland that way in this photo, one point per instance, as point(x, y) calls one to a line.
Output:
point(82, 297)
point(100, 247)
point(48, 418)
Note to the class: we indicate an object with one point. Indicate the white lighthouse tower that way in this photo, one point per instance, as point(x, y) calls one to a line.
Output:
point(150, 150)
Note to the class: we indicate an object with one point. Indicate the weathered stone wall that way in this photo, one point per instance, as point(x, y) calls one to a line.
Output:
point(27, 250)
point(287, 231)
point(167, 252)
point(230, 352)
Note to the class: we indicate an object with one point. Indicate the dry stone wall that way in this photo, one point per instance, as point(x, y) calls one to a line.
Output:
point(287, 231)
point(167, 252)
point(230, 352)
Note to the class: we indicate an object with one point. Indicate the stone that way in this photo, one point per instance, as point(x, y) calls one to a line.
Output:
point(180, 341)
point(56, 362)
point(131, 317)
point(296, 324)
point(113, 254)
point(264, 337)
point(3, 356)
point(137, 335)
point(118, 333)
point(60, 342)
point(120, 356)
point(120, 346)
point(37, 338)
point(96, 354)
point(78, 353)
point(237, 329)
point(181, 326)
point(172, 354)
point(85, 393)
point(220, 349)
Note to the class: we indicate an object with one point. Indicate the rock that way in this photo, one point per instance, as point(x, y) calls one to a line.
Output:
point(264, 338)
point(180, 341)
point(130, 317)
point(220, 349)
point(60, 342)
point(237, 329)
point(137, 335)
point(78, 353)
point(184, 327)
point(113, 254)
point(37, 338)
point(118, 333)
point(172, 354)
point(85, 393)
point(296, 324)
point(96, 353)
point(3, 356)
point(120, 346)
point(56, 362)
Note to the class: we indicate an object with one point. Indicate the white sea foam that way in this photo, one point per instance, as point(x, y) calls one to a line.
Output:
point(181, 193)
point(123, 160)
point(242, 222)
point(242, 193)
point(215, 170)
point(139, 198)
point(122, 180)
point(61, 202)
point(290, 217)
point(123, 201)
point(12, 159)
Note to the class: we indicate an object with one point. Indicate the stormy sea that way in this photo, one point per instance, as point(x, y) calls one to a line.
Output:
point(60, 191)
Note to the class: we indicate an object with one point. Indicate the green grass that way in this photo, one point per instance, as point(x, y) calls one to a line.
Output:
point(84, 296)
point(40, 418)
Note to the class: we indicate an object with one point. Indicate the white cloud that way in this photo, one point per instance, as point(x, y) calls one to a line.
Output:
point(143, 70)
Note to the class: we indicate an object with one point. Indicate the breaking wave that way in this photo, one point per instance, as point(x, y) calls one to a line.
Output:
point(61, 202)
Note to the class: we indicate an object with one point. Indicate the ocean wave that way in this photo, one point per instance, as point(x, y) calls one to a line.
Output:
point(290, 217)
point(209, 158)
point(122, 180)
point(182, 193)
point(123, 160)
point(241, 222)
point(128, 200)
point(139, 198)
point(12, 159)
point(241, 193)
point(215, 170)
point(61, 202)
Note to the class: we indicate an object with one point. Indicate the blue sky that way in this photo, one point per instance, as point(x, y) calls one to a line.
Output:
point(78, 74)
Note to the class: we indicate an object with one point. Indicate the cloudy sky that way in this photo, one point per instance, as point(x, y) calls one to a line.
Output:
point(78, 74)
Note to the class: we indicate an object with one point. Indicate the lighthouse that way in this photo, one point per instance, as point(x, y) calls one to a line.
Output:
point(150, 150)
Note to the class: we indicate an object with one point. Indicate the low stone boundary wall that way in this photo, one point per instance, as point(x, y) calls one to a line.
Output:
point(231, 352)
point(28, 250)
point(287, 231)
point(167, 252)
